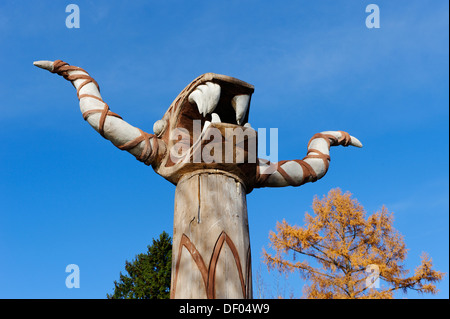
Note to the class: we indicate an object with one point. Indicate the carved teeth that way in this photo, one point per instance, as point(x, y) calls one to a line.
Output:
point(205, 126)
point(215, 118)
point(206, 96)
point(240, 105)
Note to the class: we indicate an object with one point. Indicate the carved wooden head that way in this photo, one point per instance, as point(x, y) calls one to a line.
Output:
point(206, 128)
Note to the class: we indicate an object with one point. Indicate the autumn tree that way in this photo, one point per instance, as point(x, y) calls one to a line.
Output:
point(148, 275)
point(340, 251)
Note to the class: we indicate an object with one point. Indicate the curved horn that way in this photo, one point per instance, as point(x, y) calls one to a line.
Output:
point(96, 112)
point(313, 167)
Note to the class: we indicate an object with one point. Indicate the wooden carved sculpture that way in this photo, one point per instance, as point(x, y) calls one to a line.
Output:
point(206, 147)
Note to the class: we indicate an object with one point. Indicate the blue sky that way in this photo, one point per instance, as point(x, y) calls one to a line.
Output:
point(67, 196)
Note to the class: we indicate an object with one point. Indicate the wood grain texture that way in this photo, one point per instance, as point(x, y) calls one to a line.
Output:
point(211, 246)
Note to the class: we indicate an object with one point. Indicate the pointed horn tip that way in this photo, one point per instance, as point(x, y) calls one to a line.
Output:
point(356, 142)
point(46, 65)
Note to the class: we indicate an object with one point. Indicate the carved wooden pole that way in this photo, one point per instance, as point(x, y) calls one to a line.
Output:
point(211, 250)
point(205, 145)
point(213, 164)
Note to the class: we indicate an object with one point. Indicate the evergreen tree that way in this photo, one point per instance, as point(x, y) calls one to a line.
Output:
point(148, 275)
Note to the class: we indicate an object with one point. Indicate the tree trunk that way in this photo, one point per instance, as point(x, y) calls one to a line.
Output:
point(211, 246)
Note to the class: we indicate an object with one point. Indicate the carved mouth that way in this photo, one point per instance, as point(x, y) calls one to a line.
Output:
point(210, 101)
point(216, 106)
point(215, 98)
point(207, 127)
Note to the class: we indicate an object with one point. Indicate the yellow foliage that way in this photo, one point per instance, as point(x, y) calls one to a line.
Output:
point(342, 244)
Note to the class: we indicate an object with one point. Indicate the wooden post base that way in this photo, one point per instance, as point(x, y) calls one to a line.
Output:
point(211, 247)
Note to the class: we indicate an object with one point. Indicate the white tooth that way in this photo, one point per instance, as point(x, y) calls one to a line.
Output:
point(240, 105)
point(206, 96)
point(196, 97)
point(215, 118)
point(205, 126)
